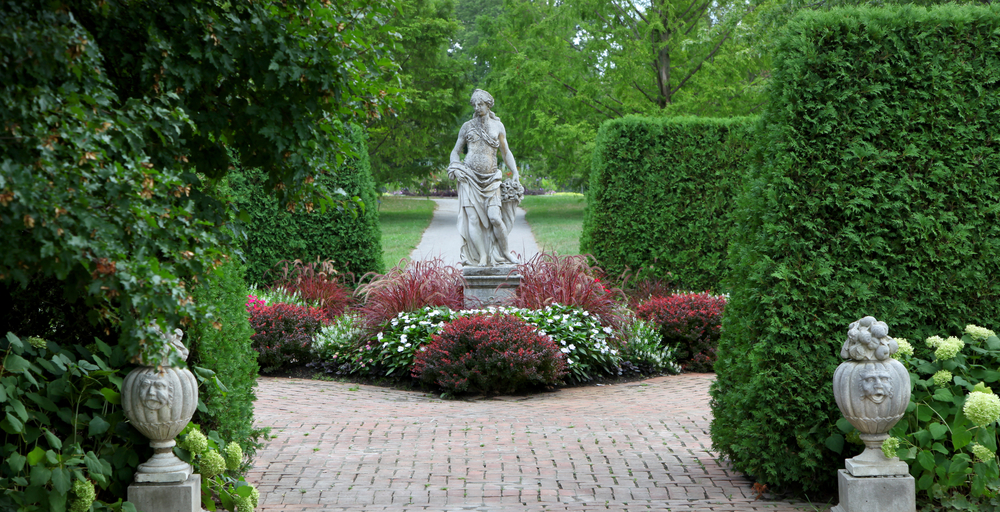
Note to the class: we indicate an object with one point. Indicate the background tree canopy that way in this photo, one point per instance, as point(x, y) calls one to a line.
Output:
point(116, 118)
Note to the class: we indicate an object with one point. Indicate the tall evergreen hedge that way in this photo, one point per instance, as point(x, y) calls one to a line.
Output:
point(661, 193)
point(875, 193)
point(274, 234)
point(225, 348)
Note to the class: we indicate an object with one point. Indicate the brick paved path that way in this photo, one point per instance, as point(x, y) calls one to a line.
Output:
point(627, 447)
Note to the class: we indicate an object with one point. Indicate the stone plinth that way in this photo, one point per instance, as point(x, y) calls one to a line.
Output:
point(876, 494)
point(486, 286)
point(160, 497)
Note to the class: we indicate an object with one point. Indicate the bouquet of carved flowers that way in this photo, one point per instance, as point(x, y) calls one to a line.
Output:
point(949, 435)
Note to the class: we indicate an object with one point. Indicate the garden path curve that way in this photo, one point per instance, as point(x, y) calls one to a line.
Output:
point(637, 446)
point(441, 238)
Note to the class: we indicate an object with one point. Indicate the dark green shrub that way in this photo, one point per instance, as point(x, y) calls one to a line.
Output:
point(875, 192)
point(225, 349)
point(660, 197)
point(354, 243)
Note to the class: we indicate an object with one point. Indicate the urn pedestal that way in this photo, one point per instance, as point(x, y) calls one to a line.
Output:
point(489, 286)
point(872, 391)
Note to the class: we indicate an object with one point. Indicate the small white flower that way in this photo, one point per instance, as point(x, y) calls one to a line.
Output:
point(379, 336)
point(395, 323)
point(400, 349)
point(407, 345)
point(572, 346)
point(569, 361)
point(565, 350)
point(402, 339)
point(586, 313)
point(607, 330)
point(614, 352)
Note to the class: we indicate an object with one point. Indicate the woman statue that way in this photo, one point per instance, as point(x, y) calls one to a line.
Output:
point(486, 202)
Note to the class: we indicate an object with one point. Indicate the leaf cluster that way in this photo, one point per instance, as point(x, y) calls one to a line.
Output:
point(874, 191)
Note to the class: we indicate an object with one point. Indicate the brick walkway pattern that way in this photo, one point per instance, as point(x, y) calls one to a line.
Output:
point(627, 447)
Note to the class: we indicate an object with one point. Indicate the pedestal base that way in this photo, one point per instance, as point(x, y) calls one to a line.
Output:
point(876, 493)
point(489, 286)
point(177, 497)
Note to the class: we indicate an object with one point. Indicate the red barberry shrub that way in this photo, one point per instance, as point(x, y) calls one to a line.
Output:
point(689, 322)
point(499, 354)
point(283, 334)
point(568, 280)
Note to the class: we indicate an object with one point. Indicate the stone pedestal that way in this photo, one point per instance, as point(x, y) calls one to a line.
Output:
point(159, 497)
point(489, 286)
point(876, 494)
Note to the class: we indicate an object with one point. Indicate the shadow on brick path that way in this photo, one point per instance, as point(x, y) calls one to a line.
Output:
point(625, 447)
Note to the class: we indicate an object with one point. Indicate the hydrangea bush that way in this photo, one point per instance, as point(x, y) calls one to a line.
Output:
point(220, 465)
point(949, 434)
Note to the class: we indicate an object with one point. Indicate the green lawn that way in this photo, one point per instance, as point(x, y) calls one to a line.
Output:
point(403, 220)
point(556, 221)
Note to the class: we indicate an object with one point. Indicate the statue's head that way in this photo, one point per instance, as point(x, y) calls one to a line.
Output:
point(481, 96)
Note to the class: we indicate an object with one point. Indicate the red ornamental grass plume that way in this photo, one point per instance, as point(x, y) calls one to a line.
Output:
point(490, 354)
point(317, 282)
point(570, 281)
point(409, 286)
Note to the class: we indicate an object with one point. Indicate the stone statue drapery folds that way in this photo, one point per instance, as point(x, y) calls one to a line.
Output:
point(486, 202)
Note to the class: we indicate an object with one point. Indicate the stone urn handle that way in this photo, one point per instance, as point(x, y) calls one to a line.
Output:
point(159, 402)
point(872, 391)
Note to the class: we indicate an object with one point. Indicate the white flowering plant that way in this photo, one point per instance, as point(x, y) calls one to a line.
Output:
point(949, 434)
point(592, 350)
point(221, 465)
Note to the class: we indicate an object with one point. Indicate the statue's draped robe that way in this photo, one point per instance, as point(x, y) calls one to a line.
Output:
point(479, 191)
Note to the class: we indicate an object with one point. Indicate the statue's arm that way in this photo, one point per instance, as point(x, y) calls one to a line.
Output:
point(456, 153)
point(508, 157)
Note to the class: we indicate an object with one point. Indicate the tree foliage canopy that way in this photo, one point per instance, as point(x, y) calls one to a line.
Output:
point(116, 116)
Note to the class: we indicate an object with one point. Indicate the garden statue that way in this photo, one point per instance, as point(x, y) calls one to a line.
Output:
point(872, 391)
point(486, 202)
point(159, 402)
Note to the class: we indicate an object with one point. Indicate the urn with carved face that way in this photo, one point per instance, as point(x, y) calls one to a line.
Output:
point(872, 390)
point(159, 402)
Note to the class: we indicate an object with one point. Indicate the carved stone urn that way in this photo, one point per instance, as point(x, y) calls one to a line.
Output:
point(159, 401)
point(872, 390)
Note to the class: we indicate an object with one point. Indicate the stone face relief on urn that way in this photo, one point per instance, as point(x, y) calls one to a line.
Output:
point(872, 391)
point(159, 402)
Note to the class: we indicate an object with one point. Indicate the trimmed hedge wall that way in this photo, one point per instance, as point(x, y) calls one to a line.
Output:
point(660, 196)
point(875, 193)
point(273, 234)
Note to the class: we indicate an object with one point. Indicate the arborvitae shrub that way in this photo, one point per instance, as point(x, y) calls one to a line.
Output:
point(283, 334)
point(660, 197)
point(273, 234)
point(499, 354)
point(690, 323)
point(875, 192)
point(227, 351)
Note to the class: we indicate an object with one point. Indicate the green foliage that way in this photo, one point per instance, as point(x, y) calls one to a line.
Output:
point(875, 192)
point(221, 465)
point(559, 69)
point(63, 424)
point(643, 349)
point(660, 197)
point(941, 444)
point(412, 142)
point(349, 236)
point(222, 345)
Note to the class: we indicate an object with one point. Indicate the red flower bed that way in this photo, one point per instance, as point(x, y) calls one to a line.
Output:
point(283, 333)
point(691, 322)
point(491, 355)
